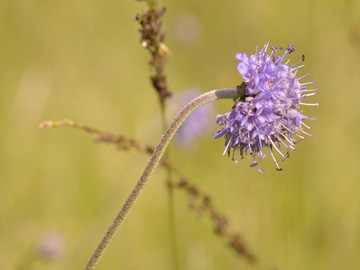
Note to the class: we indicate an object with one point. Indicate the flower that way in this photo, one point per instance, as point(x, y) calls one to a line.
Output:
point(266, 114)
point(51, 245)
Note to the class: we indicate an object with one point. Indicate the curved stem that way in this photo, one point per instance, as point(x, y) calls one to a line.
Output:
point(150, 168)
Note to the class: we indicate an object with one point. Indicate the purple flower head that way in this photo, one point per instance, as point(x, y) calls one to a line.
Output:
point(266, 114)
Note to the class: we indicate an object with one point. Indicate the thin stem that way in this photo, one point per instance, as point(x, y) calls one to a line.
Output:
point(230, 93)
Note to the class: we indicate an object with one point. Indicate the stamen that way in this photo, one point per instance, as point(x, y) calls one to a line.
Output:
point(305, 125)
point(286, 156)
point(290, 48)
point(301, 137)
point(227, 146)
point(292, 132)
point(273, 58)
point(276, 147)
point(250, 149)
point(254, 163)
point(277, 165)
point(261, 150)
point(307, 90)
point(307, 83)
point(307, 74)
point(287, 146)
point(296, 68)
point(302, 59)
point(272, 55)
point(237, 155)
point(306, 133)
point(259, 169)
point(309, 95)
point(284, 56)
point(274, 48)
point(266, 46)
point(309, 104)
point(309, 117)
point(288, 139)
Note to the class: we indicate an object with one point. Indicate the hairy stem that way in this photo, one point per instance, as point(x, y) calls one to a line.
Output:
point(230, 93)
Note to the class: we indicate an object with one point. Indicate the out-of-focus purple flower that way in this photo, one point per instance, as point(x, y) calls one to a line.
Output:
point(197, 124)
point(266, 114)
point(51, 245)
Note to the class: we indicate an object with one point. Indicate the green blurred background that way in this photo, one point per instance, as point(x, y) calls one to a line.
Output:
point(83, 60)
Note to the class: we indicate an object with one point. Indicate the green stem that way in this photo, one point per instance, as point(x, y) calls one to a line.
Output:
point(150, 168)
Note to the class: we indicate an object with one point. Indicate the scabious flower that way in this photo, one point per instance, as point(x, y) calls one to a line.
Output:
point(266, 114)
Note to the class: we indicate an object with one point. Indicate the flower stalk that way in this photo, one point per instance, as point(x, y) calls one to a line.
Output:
point(228, 93)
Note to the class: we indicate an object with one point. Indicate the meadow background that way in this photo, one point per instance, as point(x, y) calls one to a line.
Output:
point(83, 60)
